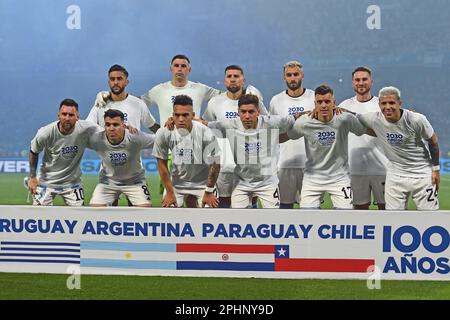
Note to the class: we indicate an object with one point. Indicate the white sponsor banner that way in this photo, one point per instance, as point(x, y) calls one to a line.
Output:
point(260, 243)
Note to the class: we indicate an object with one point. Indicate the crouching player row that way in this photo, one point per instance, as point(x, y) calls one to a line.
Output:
point(407, 138)
point(64, 142)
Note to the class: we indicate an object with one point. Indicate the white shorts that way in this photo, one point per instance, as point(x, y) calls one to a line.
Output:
point(422, 191)
point(181, 195)
point(363, 186)
point(226, 182)
point(313, 191)
point(106, 194)
point(72, 195)
point(269, 197)
point(290, 184)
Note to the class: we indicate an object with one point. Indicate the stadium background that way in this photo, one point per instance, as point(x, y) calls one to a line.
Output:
point(50, 52)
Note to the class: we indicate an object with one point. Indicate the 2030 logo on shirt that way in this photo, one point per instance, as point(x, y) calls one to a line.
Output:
point(294, 110)
point(183, 154)
point(231, 114)
point(69, 152)
point(326, 138)
point(252, 147)
point(118, 158)
point(394, 139)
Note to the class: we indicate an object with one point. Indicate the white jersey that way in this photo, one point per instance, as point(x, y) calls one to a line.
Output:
point(62, 153)
point(134, 109)
point(221, 108)
point(254, 150)
point(326, 145)
point(121, 163)
point(163, 95)
point(404, 142)
point(192, 154)
point(365, 152)
point(292, 152)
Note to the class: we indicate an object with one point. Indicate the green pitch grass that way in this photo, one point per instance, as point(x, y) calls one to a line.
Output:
point(40, 286)
point(48, 286)
point(13, 192)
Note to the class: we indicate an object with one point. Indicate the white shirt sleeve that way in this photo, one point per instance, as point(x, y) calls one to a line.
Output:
point(161, 147)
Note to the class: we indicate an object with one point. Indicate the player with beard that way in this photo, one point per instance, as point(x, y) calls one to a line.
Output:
point(291, 163)
point(411, 145)
point(134, 109)
point(63, 143)
point(366, 160)
point(223, 107)
point(162, 95)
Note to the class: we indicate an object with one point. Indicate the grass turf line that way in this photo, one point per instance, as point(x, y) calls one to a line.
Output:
point(50, 286)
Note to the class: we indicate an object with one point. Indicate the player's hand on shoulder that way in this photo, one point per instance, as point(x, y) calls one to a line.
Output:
point(203, 122)
point(132, 129)
point(102, 98)
point(339, 110)
point(170, 124)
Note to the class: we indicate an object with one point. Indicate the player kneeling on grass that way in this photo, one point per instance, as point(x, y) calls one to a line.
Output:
point(195, 159)
point(121, 171)
point(411, 146)
point(63, 143)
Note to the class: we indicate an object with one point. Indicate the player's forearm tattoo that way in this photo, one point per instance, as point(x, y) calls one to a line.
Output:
point(34, 158)
point(214, 170)
point(434, 152)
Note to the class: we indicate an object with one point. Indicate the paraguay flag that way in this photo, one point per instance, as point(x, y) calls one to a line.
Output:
point(204, 256)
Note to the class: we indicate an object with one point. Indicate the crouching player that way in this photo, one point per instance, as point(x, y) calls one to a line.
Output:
point(121, 171)
point(411, 145)
point(63, 143)
point(195, 159)
point(326, 140)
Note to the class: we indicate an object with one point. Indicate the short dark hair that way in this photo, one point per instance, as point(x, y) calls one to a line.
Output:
point(68, 102)
point(182, 100)
point(362, 68)
point(118, 67)
point(114, 113)
point(234, 67)
point(180, 56)
point(323, 89)
point(249, 99)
